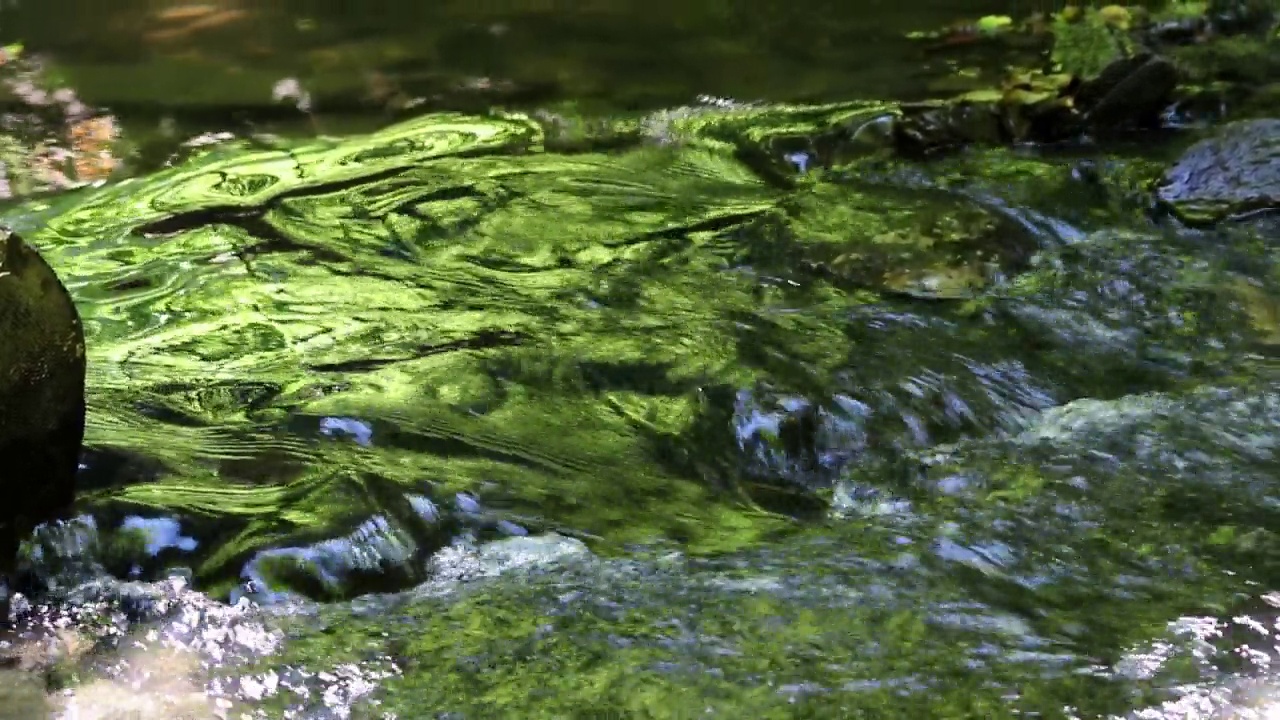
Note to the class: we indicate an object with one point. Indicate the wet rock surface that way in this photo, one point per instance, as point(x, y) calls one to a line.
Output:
point(1233, 173)
point(97, 647)
point(42, 380)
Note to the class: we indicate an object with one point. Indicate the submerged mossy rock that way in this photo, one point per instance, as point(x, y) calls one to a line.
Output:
point(916, 242)
point(1233, 173)
point(42, 406)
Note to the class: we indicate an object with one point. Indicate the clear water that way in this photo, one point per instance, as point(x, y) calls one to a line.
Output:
point(584, 409)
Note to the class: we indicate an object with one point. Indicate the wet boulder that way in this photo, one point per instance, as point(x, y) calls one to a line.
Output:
point(1129, 92)
point(42, 377)
point(1118, 83)
point(1234, 173)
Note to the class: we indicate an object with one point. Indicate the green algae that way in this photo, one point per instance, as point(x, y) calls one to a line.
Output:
point(1085, 44)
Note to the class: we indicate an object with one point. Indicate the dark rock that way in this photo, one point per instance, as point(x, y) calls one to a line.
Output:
point(1230, 17)
point(1233, 173)
point(1129, 92)
point(42, 376)
point(1176, 31)
point(924, 129)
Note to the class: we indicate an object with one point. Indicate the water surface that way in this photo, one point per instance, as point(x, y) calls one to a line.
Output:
point(621, 400)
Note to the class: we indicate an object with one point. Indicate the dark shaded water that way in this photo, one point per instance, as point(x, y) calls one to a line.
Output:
point(219, 59)
point(612, 420)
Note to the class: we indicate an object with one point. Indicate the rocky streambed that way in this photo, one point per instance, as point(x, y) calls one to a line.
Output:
point(858, 409)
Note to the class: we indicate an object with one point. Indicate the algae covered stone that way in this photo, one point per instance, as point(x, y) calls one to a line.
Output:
point(42, 377)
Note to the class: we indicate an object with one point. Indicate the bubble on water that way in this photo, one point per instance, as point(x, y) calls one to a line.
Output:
point(161, 533)
point(357, 430)
point(801, 160)
point(1234, 661)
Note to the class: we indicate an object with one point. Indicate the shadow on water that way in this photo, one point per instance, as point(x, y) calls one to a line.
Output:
point(969, 438)
point(221, 59)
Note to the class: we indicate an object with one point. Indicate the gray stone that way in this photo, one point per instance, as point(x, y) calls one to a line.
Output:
point(1233, 173)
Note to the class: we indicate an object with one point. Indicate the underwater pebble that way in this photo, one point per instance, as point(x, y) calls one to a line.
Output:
point(467, 504)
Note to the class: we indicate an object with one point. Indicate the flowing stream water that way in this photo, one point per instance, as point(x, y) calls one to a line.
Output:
point(565, 409)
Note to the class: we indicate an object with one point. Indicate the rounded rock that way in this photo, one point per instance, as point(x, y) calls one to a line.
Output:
point(42, 406)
